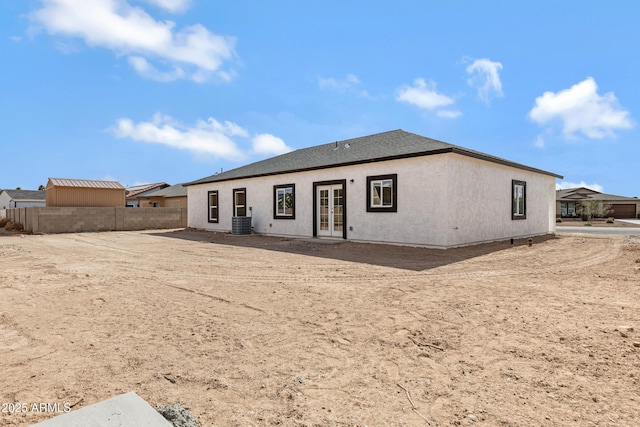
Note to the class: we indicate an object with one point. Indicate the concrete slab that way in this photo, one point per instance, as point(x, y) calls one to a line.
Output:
point(125, 410)
point(631, 221)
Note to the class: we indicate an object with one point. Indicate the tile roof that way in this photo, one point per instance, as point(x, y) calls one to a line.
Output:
point(177, 190)
point(26, 195)
point(85, 183)
point(390, 145)
point(139, 190)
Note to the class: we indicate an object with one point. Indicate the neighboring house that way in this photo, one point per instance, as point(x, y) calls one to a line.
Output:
point(21, 198)
point(570, 202)
point(136, 194)
point(64, 192)
point(393, 187)
point(174, 196)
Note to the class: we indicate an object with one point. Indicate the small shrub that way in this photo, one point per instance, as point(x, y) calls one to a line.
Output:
point(584, 217)
point(587, 224)
point(13, 226)
point(610, 220)
point(3, 222)
point(558, 219)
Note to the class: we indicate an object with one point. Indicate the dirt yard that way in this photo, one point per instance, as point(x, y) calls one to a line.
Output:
point(258, 331)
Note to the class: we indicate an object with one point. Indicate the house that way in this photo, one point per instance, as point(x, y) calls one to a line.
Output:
point(571, 202)
point(394, 187)
point(64, 192)
point(174, 196)
point(21, 198)
point(135, 194)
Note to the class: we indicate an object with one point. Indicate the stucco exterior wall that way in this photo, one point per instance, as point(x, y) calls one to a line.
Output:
point(480, 198)
point(425, 211)
point(5, 201)
point(443, 201)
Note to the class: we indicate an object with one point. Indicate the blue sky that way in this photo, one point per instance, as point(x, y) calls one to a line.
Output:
point(175, 90)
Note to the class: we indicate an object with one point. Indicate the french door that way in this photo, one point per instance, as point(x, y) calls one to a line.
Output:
point(330, 211)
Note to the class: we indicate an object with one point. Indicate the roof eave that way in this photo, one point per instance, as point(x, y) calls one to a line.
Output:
point(456, 150)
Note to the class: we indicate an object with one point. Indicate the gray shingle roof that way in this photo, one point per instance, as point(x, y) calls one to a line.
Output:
point(84, 183)
point(396, 144)
point(26, 195)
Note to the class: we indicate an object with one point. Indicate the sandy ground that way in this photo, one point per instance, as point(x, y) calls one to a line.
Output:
point(268, 331)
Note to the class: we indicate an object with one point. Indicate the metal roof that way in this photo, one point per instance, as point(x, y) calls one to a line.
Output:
point(26, 195)
point(392, 145)
point(85, 183)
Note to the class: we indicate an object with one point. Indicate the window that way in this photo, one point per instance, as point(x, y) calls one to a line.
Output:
point(240, 202)
point(284, 201)
point(213, 206)
point(382, 195)
point(519, 199)
point(567, 209)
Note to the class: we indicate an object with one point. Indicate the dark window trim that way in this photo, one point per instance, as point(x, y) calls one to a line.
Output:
point(515, 182)
point(209, 193)
point(237, 190)
point(275, 201)
point(394, 193)
point(344, 207)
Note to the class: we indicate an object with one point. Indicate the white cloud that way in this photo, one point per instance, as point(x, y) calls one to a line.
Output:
point(130, 31)
point(147, 70)
point(582, 110)
point(210, 137)
point(567, 184)
point(173, 6)
point(539, 142)
point(423, 95)
point(449, 114)
point(331, 83)
point(485, 79)
point(347, 84)
point(205, 137)
point(268, 144)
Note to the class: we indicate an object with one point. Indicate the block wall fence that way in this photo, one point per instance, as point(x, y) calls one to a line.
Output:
point(80, 219)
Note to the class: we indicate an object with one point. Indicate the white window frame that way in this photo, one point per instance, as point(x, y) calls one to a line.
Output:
point(212, 206)
point(283, 190)
point(518, 193)
point(236, 205)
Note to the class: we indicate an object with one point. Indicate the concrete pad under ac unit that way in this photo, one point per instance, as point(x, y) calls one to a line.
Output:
point(125, 410)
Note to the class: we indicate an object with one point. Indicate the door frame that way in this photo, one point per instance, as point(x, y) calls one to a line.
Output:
point(317, 184)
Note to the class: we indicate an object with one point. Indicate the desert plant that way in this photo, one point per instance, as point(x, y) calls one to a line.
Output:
point(610, 220)
point(3, 222)
point(593, 209)
point(8, 226)
point(587, 224)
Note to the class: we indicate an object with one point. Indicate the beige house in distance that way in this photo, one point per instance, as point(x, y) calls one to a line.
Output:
point(174, 196)
point(394, 187)
point(569, 201)
point(64, 192)
point(138, 196)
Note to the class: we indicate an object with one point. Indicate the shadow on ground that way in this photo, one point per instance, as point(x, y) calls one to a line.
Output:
point(403, 257)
